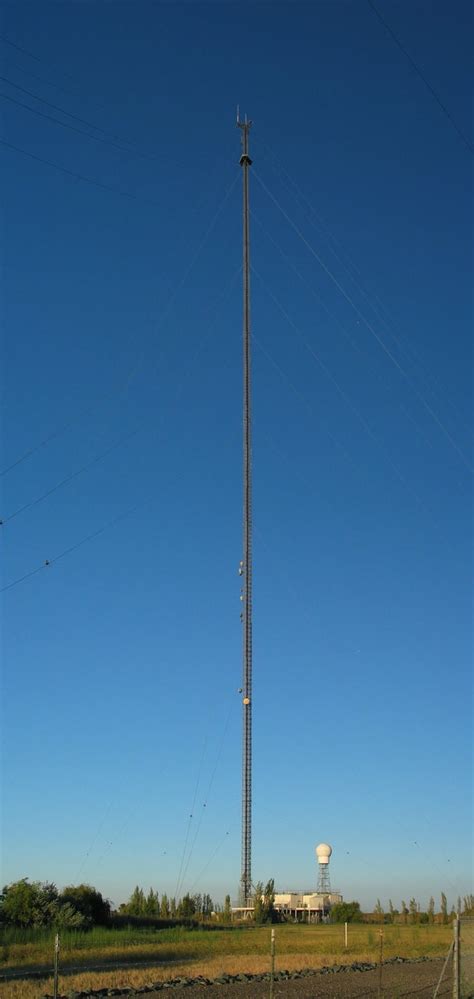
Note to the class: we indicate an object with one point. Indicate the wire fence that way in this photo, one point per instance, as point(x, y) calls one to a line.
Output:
point(466, 957)
point(457, 974)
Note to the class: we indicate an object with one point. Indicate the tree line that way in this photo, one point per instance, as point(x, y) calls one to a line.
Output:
point(40, 904)
point(150, 904)
point(199, 907)
point(34, 904)
point(37, 904)
point(410, 914)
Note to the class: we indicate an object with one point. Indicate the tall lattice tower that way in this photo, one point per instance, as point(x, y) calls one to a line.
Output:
point(323, 853)
point(246, 563)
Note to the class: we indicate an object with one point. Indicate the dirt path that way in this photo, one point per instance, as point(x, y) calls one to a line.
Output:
point(38, 971)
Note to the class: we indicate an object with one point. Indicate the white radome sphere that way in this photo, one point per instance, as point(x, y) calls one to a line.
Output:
point(323, 853)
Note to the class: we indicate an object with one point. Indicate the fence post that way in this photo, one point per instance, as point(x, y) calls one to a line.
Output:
point(457, 958)
point(445, 965)
point(345, 935)
point(56, 966)
point(380, 965)
point(272, 961)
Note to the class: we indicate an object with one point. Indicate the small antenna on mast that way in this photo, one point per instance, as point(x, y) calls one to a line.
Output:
point(244, 123)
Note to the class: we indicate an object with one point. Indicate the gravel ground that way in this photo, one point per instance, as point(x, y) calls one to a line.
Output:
point(401, 978)
point(417, 979)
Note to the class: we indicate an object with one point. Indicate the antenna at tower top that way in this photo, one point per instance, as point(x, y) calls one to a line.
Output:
point(245, 123)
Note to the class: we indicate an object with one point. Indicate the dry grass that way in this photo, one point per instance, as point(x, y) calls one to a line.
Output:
point(211, 954)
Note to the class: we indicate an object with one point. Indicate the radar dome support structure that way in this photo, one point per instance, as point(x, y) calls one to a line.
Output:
point(323, 854)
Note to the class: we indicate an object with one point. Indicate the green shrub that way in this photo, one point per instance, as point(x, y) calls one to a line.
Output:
point(346, 912)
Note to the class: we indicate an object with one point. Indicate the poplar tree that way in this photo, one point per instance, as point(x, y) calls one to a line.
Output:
point(258, 906)
point(379, 911)
point(187, 906)
point(136, 903)
point(269, 900)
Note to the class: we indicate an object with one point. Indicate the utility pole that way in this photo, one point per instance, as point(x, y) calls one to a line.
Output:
point(246, 563)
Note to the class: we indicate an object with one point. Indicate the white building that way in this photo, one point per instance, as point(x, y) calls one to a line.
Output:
point(306, 906)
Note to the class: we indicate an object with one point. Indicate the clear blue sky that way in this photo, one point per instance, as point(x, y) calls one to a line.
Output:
point(122, 660)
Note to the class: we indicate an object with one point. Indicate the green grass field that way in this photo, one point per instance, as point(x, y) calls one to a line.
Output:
point(204, 952)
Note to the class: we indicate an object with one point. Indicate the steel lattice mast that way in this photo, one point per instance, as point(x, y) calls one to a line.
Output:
point(246, 564)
